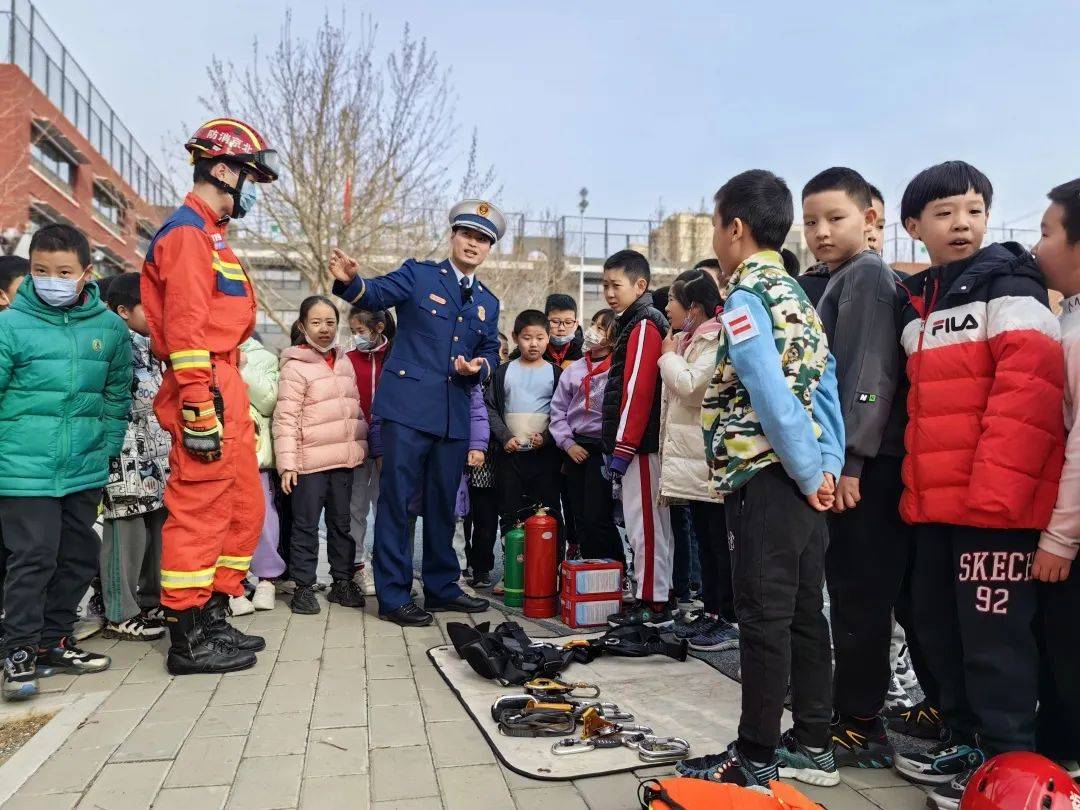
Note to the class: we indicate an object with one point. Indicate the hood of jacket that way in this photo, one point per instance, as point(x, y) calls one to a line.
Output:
point(963, 276)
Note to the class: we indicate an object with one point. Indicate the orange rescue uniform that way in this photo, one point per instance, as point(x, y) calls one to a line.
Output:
point(200, 306)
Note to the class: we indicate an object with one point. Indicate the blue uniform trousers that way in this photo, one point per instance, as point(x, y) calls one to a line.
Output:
point(416, 461)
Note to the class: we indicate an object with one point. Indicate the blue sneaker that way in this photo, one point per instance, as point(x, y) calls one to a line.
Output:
point(717, 635)
point(797, 761)
point(689, 629)
point(940, 765)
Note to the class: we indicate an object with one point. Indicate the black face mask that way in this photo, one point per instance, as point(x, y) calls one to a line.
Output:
point(239, 209)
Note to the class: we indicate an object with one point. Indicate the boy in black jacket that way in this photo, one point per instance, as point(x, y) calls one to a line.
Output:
point(519, 407)
point(868, 543)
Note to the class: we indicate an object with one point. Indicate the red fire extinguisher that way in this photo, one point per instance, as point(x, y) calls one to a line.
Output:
point(541, 539)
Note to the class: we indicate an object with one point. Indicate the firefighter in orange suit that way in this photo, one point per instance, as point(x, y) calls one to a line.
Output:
point(200, 305)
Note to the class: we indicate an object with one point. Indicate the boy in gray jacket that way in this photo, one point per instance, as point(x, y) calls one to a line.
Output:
point(868, 543)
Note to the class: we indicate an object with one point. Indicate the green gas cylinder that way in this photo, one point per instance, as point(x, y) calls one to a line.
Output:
point(514, 566)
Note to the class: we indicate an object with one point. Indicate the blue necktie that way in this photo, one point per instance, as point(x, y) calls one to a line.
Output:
point(466, 290)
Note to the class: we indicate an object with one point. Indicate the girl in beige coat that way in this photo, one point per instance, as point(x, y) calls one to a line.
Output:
point(686, 367)
point(319, 437)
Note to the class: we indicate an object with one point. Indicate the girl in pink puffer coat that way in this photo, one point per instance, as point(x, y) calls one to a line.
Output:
point(319, 437)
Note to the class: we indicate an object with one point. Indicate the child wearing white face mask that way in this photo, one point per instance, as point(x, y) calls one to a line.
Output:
point(372, 336)
point(65, 393)
point(576, 416)
point(319, 438)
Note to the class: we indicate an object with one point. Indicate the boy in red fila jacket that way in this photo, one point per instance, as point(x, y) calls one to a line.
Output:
point(985, 446)
point(630, 435)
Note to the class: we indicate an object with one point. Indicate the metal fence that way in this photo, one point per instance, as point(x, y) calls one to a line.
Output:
point(899, 247)
point(30, 44)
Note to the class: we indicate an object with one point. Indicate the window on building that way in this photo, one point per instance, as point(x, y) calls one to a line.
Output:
point(106, 265)
point(51, 160)
point(144, 232)
point(108, 207)
point(265, 324)
point(282, 278)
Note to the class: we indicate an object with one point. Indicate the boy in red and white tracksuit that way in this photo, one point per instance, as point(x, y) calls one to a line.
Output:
point(631, 434)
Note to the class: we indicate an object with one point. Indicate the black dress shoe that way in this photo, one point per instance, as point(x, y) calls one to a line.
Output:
point(462, 604)
point(408, 615)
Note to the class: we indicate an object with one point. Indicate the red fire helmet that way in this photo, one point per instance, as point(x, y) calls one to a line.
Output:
point(1021, 780)
point(237, 142)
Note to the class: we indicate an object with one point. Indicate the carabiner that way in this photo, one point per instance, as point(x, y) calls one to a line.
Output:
point(551, 686)
point(663, 749)
point(572, 745)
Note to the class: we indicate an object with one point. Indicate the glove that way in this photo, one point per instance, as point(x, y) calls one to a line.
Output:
point(202, 430)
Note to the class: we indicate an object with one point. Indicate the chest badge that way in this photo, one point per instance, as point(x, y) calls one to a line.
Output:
point(481, 313)
point(96, 344)
point(437, 299)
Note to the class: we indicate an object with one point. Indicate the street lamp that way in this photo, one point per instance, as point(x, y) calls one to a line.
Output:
point(583, 203)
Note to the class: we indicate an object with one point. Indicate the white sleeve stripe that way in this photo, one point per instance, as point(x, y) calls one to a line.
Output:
point(1020, 313)
point(633, 381)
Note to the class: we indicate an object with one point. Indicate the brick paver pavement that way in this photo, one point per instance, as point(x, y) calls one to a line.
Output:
point(342, 710)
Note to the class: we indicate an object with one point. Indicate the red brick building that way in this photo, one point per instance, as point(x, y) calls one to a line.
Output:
point(64, 154)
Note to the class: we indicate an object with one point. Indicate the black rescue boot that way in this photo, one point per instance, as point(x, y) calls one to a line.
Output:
point(216, 614)
point(194, 650)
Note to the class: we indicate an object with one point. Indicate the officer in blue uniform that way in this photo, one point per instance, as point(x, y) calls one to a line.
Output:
point(447, 342)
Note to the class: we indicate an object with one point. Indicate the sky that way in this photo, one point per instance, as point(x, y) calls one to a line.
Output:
point(652, 106)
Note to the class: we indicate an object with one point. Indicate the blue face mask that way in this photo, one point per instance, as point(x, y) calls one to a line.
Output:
point(363, 343)
point(249, 195)
point(561, 340)
point(56, 292)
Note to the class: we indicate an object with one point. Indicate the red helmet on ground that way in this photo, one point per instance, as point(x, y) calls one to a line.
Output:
point(237, 142)
point(1021, 781)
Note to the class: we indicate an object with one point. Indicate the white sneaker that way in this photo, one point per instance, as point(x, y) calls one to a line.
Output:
point(365, 578)
point(241, 605)
point(134, 629)
point(265, 595)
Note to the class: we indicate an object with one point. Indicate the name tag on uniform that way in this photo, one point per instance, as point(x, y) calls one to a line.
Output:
point(437, 299)
point(739, 325)
point(219, 241)
point(481, 313)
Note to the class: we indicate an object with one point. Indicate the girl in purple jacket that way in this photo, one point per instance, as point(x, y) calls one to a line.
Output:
point(576, 411)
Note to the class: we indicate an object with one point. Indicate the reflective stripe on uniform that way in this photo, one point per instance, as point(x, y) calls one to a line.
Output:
point(231, 270)
point(203, 578)
point(189, 358)
point(238, 563)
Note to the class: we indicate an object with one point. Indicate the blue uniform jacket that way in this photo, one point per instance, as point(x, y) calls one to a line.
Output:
point(419, 387)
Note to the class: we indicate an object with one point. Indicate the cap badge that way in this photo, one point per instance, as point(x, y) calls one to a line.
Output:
point(483, 209)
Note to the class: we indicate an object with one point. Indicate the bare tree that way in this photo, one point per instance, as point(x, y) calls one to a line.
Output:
point(365, 145)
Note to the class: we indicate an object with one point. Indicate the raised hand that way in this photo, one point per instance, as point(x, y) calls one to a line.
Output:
point(343, 267)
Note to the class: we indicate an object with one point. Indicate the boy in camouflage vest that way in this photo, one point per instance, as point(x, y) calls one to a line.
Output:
point(774, 438)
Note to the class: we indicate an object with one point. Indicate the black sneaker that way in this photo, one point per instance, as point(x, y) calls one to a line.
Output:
point(134, 629)
point(729, 767)
point(481, 581)
point(346, 593)
point(948, 796)
point(154, 617)
point(66, 657)
point(798, 761)
point(860, 748)
point(690, 625)
point(642, 613)
point(941, 764)
point(20, 674)
point(304, 601)
point(922, 720)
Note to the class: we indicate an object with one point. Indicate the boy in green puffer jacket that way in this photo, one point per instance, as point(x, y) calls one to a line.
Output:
point(65, 393)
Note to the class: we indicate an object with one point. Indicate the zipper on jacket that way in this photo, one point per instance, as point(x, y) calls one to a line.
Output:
point(928, 308)
point(65, 434)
